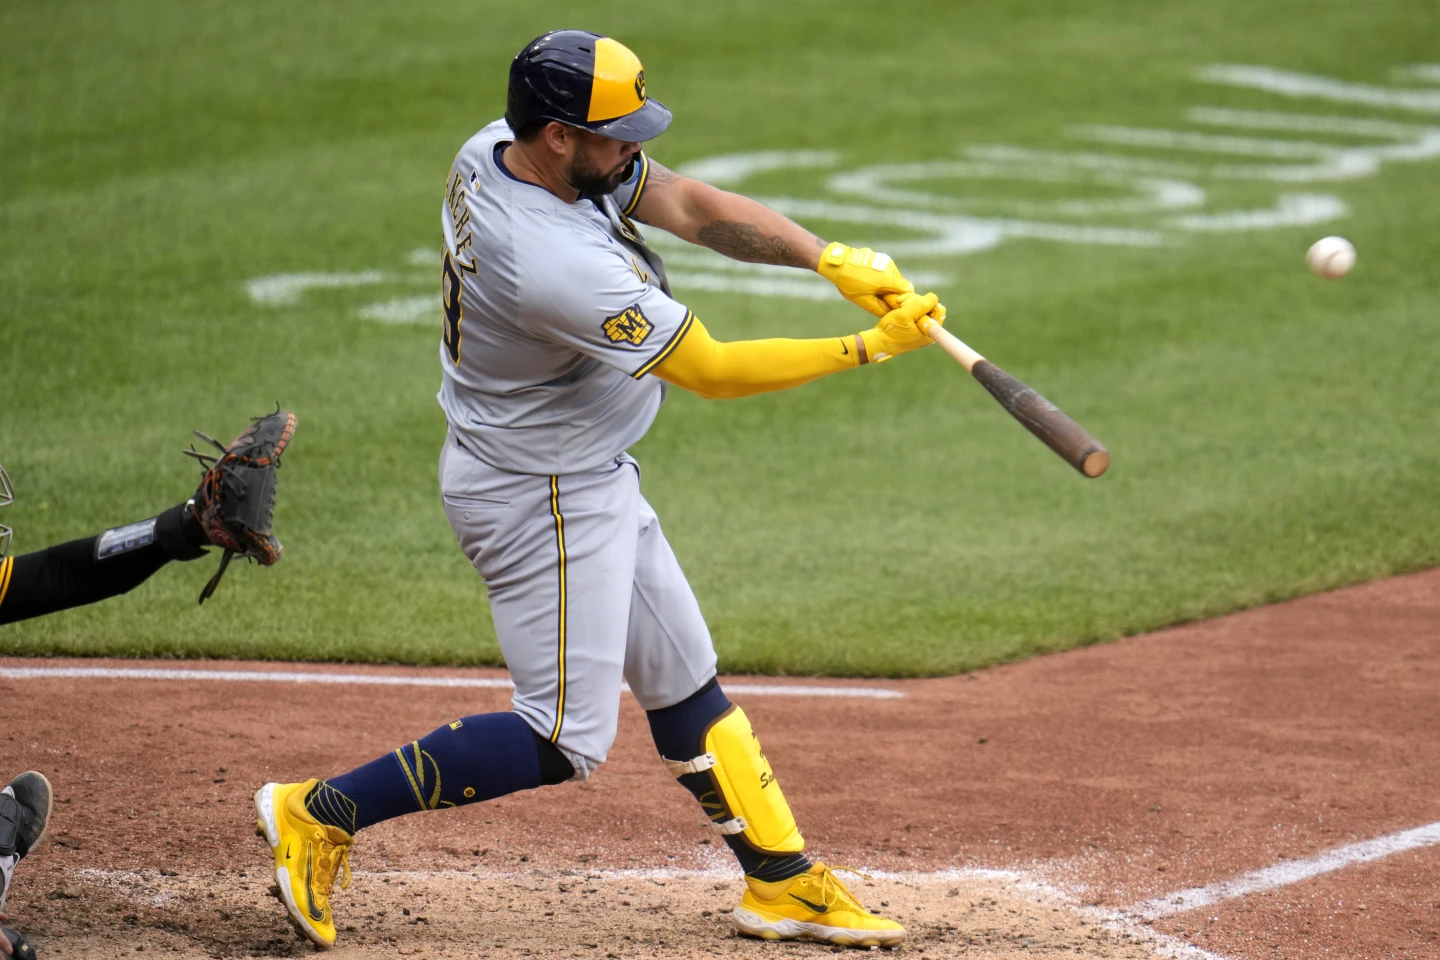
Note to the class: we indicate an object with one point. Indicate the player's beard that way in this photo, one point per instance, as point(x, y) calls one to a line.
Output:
point(589, 179)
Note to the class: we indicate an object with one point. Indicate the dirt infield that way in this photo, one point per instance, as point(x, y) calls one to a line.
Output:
point(1169, 795)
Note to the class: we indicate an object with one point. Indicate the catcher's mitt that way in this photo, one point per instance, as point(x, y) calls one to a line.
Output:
point(235, 502)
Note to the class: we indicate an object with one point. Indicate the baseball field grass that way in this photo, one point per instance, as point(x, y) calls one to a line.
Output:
point(207, 208)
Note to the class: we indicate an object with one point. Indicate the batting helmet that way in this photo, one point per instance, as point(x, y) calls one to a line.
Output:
point(584, 80)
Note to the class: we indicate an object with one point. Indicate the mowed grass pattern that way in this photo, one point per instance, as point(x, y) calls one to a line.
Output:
point(1272, 434)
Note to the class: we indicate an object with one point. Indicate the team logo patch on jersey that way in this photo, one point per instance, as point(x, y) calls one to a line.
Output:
point(629, 326)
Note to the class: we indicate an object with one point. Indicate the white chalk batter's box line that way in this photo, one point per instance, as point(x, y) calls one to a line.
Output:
point(149, 886)
point(398, 680)
point(1132, 920)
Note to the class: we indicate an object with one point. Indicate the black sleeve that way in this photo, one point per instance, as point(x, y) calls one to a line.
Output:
point(72, 574)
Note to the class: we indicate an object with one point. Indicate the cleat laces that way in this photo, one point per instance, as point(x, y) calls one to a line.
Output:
point(834, 892)
point(331, 858)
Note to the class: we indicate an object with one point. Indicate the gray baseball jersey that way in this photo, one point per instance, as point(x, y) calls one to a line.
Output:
point(555, 313)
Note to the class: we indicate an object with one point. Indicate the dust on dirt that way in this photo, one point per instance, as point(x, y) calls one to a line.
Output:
point(453, 914)
point(1119, 772)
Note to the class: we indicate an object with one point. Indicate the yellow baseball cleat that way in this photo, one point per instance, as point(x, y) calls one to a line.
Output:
point(308, 855)
point(813, 906)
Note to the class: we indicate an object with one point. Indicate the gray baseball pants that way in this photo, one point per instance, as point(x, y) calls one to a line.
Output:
point(585, 594)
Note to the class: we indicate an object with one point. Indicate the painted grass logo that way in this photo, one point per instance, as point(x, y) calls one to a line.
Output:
point(1158, 189)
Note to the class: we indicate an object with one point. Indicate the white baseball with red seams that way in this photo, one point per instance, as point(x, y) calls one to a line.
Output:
point(1331, 257)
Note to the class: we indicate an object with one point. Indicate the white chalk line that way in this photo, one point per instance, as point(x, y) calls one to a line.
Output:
point(1132, 920)
point(149, 886)
point(948, 226)
point(285, 288)
point(1304, 123)
point(398, 680)
point(404, 310)
point(1288, 84)
point(1288, 872)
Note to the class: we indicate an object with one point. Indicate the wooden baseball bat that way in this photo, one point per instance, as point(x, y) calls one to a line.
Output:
point(1038, 415)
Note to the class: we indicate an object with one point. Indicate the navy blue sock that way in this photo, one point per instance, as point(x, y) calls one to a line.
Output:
point(679, 734)
point(475, 758)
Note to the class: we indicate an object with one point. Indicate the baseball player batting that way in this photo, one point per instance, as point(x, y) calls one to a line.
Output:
point(560, 337)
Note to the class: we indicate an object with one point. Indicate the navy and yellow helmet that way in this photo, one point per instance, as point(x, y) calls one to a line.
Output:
point(584, 80)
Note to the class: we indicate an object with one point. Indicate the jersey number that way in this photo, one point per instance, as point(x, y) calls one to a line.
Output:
point(450, 297)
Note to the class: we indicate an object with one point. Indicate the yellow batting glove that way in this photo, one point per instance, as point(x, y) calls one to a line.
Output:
point(895, 301)
point(892, 301)
point(897, 331)
point(863, 277)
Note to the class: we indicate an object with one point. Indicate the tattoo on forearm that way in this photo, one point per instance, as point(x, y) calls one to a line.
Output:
point(743, 241)
point(739, 240)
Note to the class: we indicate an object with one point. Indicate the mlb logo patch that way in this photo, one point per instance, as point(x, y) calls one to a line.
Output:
point(628, 326)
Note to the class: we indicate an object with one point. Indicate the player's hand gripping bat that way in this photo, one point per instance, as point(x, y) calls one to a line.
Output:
point(1039, 416)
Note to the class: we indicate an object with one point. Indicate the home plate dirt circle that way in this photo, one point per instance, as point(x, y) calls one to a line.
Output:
point(1265, 785)
point(578, 914)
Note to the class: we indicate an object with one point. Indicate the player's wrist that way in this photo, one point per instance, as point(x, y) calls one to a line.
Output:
point(832, 259)
point(874, 346)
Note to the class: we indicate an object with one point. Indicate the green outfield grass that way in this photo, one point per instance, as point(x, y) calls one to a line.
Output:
point(1273, 434)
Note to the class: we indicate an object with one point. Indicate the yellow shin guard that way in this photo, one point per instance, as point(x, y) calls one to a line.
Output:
point(751, 802)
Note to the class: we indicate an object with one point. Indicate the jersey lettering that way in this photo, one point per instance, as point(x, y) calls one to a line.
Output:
point(454, 313)
point(464, 234)
point(549, 307)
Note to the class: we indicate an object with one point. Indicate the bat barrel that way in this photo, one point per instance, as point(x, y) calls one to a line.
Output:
point(1095, 462)
point(1041, 417)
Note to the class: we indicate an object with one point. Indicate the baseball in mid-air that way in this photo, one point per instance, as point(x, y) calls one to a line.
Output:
point(1331, 257)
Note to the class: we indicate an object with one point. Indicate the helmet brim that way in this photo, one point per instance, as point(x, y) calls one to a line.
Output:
point(647, 123)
